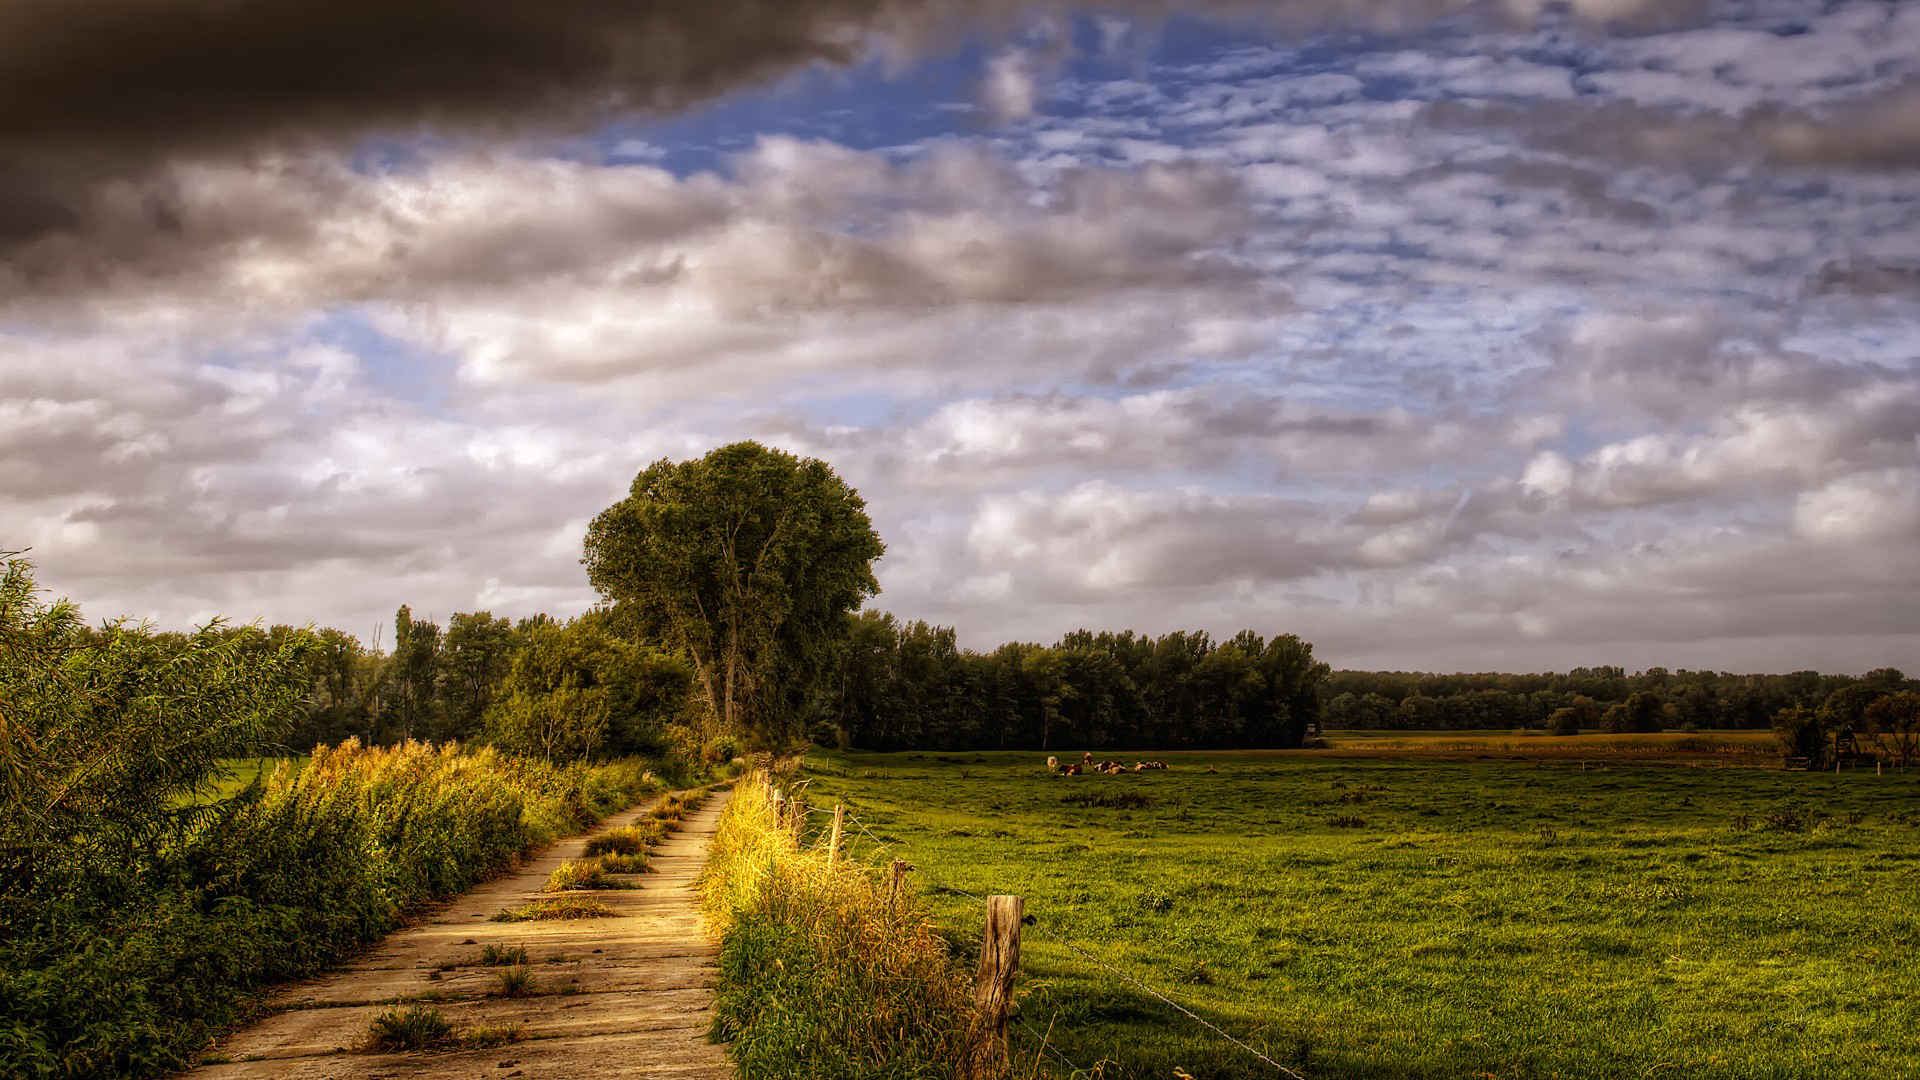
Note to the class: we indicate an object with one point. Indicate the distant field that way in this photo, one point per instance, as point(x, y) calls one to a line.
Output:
point(1746, 747)
point(1398, 917)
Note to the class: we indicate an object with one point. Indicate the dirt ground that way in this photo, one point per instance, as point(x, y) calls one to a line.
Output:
point(629, 996)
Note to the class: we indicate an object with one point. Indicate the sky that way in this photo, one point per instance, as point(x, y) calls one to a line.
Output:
point(1447, 335)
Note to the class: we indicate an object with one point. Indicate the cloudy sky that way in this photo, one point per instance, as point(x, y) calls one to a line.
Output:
point(1453, 336)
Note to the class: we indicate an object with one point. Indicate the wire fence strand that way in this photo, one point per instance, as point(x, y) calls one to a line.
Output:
point(1078, 951)
point(1189, 1013)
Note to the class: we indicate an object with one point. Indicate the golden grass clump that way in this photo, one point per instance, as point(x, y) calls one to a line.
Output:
point(677, 805)
point(558, 907)
point(584, 874)
point(627, 840)
point(818, 954)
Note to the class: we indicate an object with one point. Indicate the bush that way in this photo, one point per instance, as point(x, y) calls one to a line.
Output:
point(137, 911)
point(1803, 735)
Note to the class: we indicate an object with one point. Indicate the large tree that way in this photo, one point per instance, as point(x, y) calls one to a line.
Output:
point(750, 562)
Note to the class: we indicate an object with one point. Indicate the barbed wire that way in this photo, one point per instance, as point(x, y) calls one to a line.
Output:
point(1046, 1046)
point(1188, 1013)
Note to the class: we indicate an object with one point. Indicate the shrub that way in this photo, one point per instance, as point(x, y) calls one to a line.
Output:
point(416, 1027)
point(138, 911)
point(1802, 734)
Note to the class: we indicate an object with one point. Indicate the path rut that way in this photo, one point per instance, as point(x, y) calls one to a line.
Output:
point(630, 996)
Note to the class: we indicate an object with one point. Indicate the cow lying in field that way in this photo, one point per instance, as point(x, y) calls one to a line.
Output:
point(1086, 764)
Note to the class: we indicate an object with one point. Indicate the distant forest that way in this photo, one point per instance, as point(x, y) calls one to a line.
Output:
point(584, 688)
point(908, 685)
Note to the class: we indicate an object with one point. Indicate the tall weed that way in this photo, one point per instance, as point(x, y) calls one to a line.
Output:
point(823, 974)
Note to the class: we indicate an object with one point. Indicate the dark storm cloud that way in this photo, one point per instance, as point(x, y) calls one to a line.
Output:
point(93, 91)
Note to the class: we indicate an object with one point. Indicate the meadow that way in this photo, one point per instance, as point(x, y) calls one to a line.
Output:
point(1746, 747)
point(1398, 915)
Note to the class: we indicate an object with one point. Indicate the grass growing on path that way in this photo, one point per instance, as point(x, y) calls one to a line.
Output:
point(1386, 918)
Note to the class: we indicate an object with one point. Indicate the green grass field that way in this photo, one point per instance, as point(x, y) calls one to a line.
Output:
point(1395, 916)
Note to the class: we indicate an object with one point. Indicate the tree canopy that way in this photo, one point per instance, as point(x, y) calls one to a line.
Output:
point(749, 562)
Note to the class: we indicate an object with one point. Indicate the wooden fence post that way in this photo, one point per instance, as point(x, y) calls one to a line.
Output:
point(779, 808)
point(899, 882)
point(839, 824)
point(993, 984)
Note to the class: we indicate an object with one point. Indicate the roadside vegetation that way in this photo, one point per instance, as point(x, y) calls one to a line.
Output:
point(142, 899)
point(1395, 916)
point(824, 973)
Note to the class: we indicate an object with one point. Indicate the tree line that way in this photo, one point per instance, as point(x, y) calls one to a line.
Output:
point(1609, 699)
point(908, 685)
point(538, 686)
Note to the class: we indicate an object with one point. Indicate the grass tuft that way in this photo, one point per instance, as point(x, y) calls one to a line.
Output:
point(416, 1027)
point(490, 1035)
point(559, 907)
point(589, 874)
point(501, 955)
point(624, 864)
point(516, 981)
point(1112, 800)
point(626, 840)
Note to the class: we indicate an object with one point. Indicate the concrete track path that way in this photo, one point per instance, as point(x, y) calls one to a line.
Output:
point(614, 997)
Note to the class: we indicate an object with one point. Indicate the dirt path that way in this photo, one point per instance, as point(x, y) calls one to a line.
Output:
point(627, 996)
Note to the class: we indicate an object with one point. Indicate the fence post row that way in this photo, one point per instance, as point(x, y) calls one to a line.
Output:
point(993, 984)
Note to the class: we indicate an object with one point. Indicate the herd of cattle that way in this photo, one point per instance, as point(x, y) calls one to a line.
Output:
point(1087, 764)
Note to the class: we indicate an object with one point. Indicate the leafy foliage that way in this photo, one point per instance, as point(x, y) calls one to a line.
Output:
point(748, 562)
point(137, 908)
point(575, 690)
point(910, 686)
